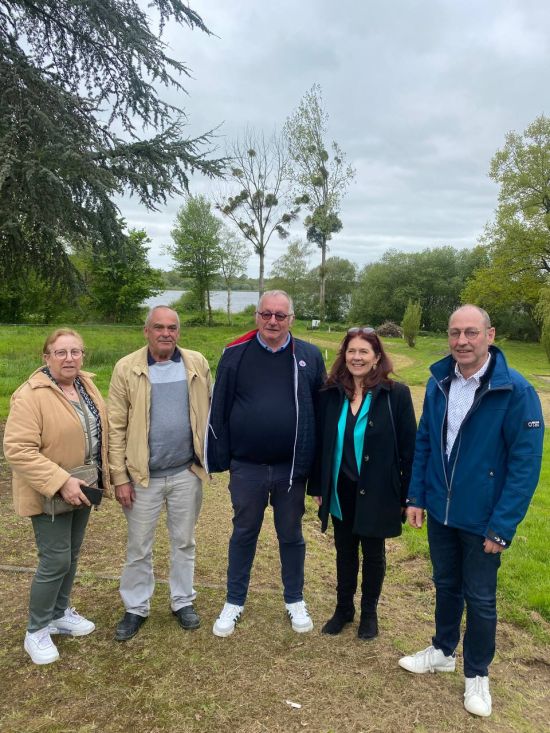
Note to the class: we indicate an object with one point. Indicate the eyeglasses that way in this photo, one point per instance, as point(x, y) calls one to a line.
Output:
point(63, 353)
point(267, 315)
point(469, 333)
point(360, 329)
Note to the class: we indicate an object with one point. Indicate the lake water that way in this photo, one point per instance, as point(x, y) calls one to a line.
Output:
point(240, 299)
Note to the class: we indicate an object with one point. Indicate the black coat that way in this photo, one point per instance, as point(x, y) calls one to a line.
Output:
point(384, 479)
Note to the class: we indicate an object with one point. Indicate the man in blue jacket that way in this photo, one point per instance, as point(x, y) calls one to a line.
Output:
point(262, 428)
point(476, 466)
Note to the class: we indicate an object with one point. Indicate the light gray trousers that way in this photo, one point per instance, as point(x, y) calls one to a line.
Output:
point(182, 495)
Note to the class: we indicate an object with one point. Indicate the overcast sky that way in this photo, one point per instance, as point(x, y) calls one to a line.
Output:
point(420, 95)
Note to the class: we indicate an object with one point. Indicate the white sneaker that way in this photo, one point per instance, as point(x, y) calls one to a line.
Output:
point(428, 660)
point(72, 623)
point(477, 698)
point(299, 616)
point(225, 623)
point(40, 647)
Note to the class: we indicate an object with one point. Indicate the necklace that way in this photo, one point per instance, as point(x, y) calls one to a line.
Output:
point(70, 392)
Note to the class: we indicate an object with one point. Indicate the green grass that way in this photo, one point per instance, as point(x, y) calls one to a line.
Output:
point(524, 579)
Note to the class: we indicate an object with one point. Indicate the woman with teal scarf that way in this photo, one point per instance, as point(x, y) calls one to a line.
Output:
point(366, 432)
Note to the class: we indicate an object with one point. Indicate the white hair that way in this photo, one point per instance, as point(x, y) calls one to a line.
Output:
point(276, 293)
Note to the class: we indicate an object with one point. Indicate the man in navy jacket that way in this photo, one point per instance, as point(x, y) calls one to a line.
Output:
point(262, 428)
point(476, 466)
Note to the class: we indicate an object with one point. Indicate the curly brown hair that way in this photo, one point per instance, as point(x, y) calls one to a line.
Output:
point(339, 373)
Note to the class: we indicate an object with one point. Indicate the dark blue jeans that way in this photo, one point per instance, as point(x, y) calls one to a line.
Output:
point(464, 573)
point(252, 486)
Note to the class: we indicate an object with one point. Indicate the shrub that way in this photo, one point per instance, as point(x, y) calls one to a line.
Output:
point(390, 329)
point(411, 322)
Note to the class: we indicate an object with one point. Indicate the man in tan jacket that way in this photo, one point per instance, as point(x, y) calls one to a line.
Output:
point(158, 409)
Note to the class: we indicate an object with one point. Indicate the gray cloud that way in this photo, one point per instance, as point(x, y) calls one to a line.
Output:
point(420, 95)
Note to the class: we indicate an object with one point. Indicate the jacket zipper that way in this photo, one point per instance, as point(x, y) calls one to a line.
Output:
point(297, 419)
point(475, 404)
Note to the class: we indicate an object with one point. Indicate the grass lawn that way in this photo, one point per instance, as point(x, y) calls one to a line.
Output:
point(169, 680)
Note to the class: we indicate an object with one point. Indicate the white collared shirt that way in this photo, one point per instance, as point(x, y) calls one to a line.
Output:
point(461, 398)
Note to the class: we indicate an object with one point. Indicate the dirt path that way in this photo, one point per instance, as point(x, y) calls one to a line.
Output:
point(169, 680)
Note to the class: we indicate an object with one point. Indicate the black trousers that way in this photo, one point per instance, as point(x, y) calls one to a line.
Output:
point(347, 555)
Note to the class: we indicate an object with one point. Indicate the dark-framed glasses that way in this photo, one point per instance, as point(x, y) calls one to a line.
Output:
point(470, 333)
point(360, 329)
point(267, 315)
point(63, 353)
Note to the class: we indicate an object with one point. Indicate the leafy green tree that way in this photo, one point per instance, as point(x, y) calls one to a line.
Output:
point(320, 178)
point(517, 241)
point(259, 208)
point(433, 277)
point(411, 322)
point(119, 282)
point(234, 256)
point(341, 276)
point(197, 249)
point(78, 85)
point(542, 314)
point(35, 299)
point(290, 272)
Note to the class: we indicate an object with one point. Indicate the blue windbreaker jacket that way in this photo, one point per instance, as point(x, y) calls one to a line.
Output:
point(486, 485)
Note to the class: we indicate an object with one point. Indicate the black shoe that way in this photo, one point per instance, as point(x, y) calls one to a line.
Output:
point(129, 626)
point(368, 626)
point(187, 617)
point(340, 618)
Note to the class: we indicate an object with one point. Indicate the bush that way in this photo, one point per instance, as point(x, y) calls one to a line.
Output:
point(545, 338)
point(390, 329)
point(411, 322)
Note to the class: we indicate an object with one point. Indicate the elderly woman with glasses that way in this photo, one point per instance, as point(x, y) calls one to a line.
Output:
point(366, 433)
point(57, 422)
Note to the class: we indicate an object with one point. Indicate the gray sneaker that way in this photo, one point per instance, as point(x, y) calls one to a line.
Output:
point(428, 660)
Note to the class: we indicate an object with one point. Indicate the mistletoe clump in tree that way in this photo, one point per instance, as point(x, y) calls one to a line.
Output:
point(78, 87)
point(260, 208)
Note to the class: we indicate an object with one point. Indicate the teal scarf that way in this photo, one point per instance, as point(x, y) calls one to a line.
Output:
point(358, 440)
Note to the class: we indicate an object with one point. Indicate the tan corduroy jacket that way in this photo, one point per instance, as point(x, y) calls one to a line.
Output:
point(129, 407)
point(44, 439)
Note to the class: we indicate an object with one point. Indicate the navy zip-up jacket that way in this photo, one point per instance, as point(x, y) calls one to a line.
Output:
point(487, 484)
point(309, 375)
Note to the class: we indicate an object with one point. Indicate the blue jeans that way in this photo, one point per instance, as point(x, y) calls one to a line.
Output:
point(464, 573)
point(251, 486)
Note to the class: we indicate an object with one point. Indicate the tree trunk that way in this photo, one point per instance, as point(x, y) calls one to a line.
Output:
point(322, 280)
point(209, 307)
point(229, 305)
point(261, 278)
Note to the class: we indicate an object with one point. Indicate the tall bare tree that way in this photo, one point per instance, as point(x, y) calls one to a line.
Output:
point(319, 175)
point(257, 204)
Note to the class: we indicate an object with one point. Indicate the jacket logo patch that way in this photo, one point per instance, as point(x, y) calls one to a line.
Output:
point(301, 363)
point(532, 424)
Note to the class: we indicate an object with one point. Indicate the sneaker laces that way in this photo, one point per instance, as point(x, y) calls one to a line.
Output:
point(230, 611)
point(71, 613)
point(477, 688)
point(43, 638)
point(298, 609)
point(427, 657)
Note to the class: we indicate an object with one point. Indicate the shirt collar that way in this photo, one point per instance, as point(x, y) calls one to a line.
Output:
point(268, 348)
point(176, 356)
point(477, 376)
